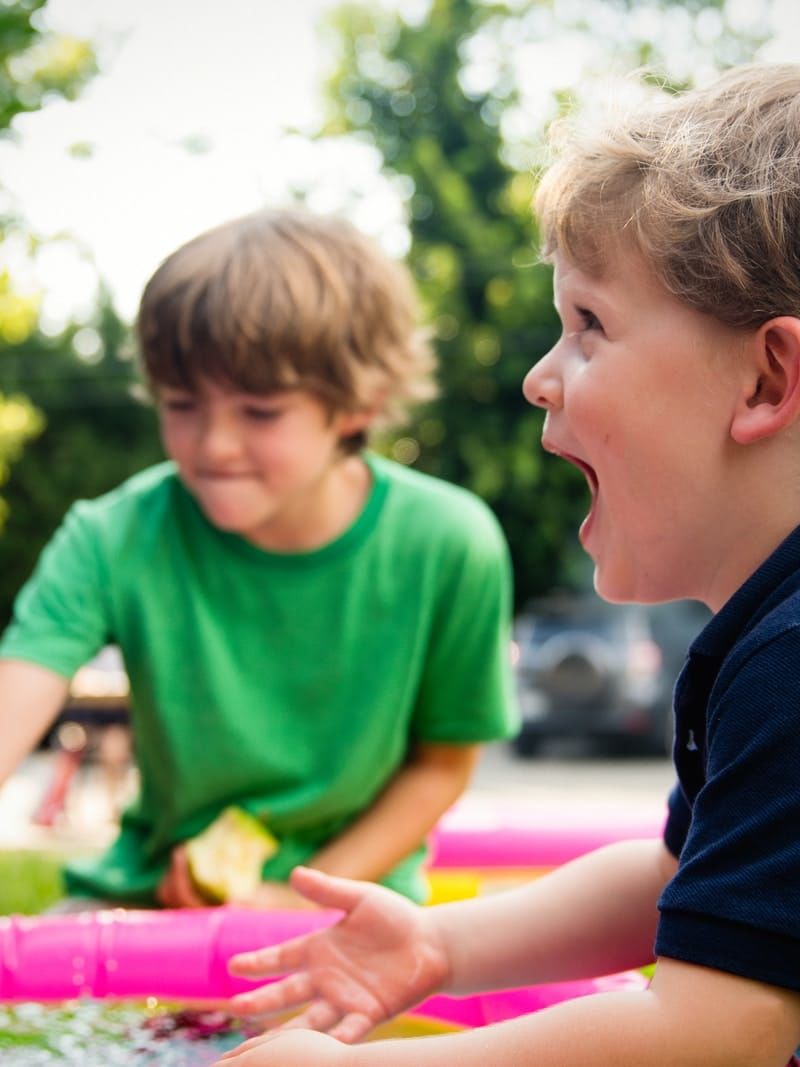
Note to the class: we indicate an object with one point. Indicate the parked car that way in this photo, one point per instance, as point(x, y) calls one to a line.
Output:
point(586, 668)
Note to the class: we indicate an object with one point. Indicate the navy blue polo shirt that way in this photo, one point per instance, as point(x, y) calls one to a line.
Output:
point(734, 819)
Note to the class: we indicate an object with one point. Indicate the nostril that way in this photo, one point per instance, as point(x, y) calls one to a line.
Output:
point(541, 391)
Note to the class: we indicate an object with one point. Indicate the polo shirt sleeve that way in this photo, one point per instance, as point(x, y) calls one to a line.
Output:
point(466, 691)
point(61, 616)
point(734, 903)
point(679, 817)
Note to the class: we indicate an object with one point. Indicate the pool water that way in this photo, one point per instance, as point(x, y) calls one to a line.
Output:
point(96, 1033)
point(92, 1033)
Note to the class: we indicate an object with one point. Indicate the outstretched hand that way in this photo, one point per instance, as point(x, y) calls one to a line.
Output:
point(382, 957)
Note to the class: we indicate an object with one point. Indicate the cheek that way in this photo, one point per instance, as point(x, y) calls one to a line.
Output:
point(175, 439)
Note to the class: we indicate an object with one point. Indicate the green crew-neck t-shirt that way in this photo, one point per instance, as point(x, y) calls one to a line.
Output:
point(292, 685)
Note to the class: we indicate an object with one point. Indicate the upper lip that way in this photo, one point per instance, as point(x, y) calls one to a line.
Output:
point(589, 471)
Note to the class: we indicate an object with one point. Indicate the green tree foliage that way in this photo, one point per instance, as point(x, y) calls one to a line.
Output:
point(438, 97)
point(34, 64)
point(98, 432)
point(66, 398)
point(473, 256)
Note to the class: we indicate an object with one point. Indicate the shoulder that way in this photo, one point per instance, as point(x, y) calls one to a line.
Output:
point(447, 509)
point(131, 517)
point(134, 498)
point(758, 686)
point(773, 640)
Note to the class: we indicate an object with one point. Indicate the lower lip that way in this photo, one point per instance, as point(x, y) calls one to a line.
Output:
point(222, 477)
point(587, 524)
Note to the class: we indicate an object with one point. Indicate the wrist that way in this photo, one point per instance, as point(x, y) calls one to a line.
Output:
point(439, 951)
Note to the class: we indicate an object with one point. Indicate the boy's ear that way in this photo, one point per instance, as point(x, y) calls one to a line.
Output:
point(770, 400)
point(352, 422)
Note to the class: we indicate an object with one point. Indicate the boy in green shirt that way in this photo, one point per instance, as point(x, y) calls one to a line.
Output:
point(312, 633)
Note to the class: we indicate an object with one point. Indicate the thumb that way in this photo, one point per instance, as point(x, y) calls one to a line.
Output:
point(326, 890)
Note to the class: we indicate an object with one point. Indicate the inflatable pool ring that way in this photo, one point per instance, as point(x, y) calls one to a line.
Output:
point(182, 955)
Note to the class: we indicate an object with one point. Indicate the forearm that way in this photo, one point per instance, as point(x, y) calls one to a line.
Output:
point(609, 1030)
point(593, 916)
point(402, 815)
point(30, 699)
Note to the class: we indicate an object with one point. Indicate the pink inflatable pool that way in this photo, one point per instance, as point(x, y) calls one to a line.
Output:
point(477, 833)
point(182, 955)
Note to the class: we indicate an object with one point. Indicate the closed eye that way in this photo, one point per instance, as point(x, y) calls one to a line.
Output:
point(259, 414)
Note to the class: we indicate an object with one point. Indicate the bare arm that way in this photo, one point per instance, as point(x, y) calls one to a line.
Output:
point(690, 1017)
point(596, 915)
point(393, 826)
point(402, 815)
point(565, 925)
point(593, 916)
point(30, 699)
point(381, 837)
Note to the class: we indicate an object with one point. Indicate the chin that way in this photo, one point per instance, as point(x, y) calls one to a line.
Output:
point(619, 589)
point(226, 521)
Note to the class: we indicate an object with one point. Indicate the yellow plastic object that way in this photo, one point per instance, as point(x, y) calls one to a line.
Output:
point(225, 860)
point(412, 1026)
point(462, 883)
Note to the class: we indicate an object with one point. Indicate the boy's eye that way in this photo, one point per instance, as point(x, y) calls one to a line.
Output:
point(178, 404)
point(589, 321)
point(259, 414)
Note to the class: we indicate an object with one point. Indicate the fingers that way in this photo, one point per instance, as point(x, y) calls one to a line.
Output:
point(182, 887)
point(278, 996)
point(187, 890)
point(320, 1015)
point(352, 1028)
point(276, 959)
point(327, 891)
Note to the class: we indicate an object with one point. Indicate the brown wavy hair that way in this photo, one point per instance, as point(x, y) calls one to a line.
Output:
point(705, 185)
point(284, 299)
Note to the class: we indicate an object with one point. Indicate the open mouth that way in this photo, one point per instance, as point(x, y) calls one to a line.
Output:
point(591, 480)
point(588, 471)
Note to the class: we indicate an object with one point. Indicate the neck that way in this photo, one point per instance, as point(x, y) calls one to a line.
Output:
point(322, 515)
point(771, 496)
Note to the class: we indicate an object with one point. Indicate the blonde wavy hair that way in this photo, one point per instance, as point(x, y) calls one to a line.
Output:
point(705, 185)
point(285, 299)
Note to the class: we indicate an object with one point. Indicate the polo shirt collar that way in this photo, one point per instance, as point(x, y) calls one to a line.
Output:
point(768, 585)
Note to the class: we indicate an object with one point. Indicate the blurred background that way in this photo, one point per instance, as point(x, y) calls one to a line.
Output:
point(127, 126)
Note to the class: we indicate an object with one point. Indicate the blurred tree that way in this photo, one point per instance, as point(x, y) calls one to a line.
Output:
point(70, 391)
point(33, 65)
point(99, 432)
point(443, 96)
point(36, 63)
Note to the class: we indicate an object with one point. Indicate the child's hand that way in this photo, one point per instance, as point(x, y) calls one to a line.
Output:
point(382, 957)
point(276, 895)
point(176, 889)
point(282, 1048)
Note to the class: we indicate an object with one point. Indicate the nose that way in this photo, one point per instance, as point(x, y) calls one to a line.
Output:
point(543, 385)
point(218, 439)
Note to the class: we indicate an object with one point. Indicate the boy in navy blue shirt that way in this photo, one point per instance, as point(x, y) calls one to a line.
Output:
point(675, 387)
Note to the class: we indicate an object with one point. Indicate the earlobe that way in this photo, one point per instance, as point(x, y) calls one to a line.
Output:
point(770, 400)
point(353, 422)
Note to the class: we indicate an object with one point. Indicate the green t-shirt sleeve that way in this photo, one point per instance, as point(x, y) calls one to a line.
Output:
point(61, 616)
point(467, 693)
